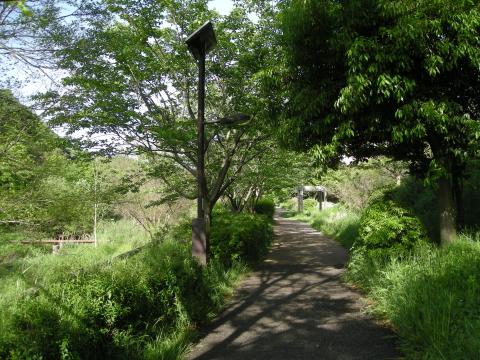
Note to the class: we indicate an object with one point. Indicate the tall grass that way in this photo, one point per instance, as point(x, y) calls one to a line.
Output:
point(432, 298)
point(337, 222)
point(81, 304)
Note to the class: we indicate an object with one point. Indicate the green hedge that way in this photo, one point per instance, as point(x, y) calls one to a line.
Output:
point(265, 207)
point(120, 308)
point(240, 237)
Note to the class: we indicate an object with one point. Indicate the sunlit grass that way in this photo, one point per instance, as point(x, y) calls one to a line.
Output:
point(87, 301)
point(26, 267)
point(432, 298)
point(336, 221)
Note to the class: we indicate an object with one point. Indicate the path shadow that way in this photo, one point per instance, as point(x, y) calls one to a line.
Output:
point(294, 306)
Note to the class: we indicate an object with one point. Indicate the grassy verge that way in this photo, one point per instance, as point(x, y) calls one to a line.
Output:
point(432, 298)
point(146, 306)
point(337, 222)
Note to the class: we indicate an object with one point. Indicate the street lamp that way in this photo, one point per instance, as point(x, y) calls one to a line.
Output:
point(199, 44)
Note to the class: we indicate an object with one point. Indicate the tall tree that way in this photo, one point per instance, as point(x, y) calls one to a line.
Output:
point(378, 77)
point(131, 77)
point(277, 172)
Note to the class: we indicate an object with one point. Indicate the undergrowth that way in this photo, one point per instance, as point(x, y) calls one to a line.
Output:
point(432, 298)
point(76, 305)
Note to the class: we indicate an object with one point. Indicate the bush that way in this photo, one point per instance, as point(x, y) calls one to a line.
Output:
point(290, 205)
point(112, 312)
point(420, 198)
point(240, 237)
point(265, 207)
point(389, 229)
point(310, 206)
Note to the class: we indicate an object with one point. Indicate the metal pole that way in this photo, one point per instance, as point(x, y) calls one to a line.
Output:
point(201, 138)
point(199, 235)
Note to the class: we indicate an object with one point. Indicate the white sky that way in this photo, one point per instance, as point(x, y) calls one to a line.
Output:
point(222, 6)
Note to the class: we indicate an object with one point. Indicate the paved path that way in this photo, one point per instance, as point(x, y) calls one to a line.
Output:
point(296, 307)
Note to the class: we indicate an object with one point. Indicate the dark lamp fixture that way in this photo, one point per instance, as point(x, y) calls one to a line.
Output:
point(202, 40)
point(236, 119)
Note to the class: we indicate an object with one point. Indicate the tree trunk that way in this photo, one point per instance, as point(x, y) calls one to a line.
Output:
point(300, 199)
point(458, 195)
point(448, 232)
point(208, 222)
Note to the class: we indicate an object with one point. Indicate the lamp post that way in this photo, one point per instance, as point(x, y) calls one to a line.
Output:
point(199, 44)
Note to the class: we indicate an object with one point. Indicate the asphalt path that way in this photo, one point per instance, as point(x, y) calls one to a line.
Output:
point(295, 306)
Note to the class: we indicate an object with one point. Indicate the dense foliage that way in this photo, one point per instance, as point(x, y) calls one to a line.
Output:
point(396, 78)
point(399, 75)
point(265, 207)
point(339, 80)
point(388, 229)
point(245, 237)
point(46, 183)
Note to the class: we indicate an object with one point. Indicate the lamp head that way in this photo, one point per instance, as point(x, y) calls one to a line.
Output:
point(202, 40)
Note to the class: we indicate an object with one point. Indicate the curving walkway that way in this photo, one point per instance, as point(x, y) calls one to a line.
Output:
point(295, 306)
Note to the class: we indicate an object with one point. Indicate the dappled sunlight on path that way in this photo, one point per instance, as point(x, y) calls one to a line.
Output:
point(294, 306)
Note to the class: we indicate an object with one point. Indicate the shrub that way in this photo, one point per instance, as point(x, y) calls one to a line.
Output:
point(389, 229)
point(111, 312)
point(290, 204)
point(420, 198)
point(240, 237)
point(310, 206)
point(265, 207)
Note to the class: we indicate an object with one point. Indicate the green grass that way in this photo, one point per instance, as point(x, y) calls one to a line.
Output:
point(26, 269)
point(173, 345)
point(432, 298)
point(85, 303)
point(337, 222)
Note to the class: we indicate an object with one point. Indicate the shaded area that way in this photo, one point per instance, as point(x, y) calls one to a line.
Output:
point(296, 307)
